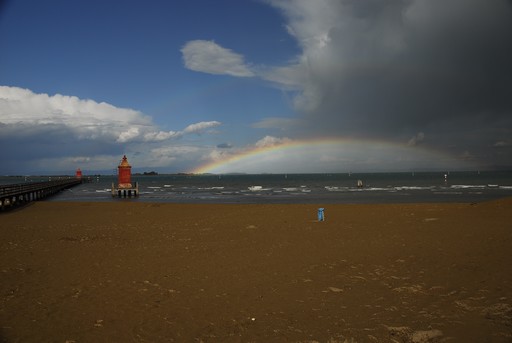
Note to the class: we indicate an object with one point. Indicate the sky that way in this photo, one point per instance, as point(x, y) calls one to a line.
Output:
point(255, 86)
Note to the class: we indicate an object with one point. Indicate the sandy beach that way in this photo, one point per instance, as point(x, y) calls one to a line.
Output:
point(143, 272)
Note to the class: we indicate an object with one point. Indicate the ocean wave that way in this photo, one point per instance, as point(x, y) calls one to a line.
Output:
point(336, 189)
point(467, 186)
point(372, 189)
point(106, 190)
point(413, 188)
point(255, 188)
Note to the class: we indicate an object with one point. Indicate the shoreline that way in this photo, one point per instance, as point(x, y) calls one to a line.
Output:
point(142, 271)
point(332, 198)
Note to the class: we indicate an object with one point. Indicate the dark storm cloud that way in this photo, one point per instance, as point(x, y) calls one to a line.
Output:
point(224, 146)
point(46, 143)
point(50, 141)
point(393, 69)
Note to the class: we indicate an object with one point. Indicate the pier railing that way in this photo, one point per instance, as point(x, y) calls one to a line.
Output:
point(16, 194)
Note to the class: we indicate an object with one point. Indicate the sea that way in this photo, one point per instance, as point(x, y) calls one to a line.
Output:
point(466, 187)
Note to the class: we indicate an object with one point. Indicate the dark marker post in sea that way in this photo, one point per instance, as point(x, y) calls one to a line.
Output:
point(124, 184)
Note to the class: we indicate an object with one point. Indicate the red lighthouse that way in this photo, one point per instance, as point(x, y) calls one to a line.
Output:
point(124, 181)
point(124, 174)
point(78, 174)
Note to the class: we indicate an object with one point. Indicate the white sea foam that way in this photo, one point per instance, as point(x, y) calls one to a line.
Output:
point(255, 188)
point(412, 188)
point(336, 189)
point(467, 186)
point(372, 189)
point(106, 190)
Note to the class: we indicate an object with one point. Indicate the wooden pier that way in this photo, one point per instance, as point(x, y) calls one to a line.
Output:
point(22, 193)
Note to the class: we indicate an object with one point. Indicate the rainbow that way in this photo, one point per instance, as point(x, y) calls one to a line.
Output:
point(334, 155)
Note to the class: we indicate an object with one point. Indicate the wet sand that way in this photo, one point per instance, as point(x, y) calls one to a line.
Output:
point(140, 272)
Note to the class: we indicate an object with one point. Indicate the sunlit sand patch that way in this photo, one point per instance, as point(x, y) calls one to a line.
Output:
point(425, 336)
point(406, 334)
point(357, 277)
point(410, 289)
point(335, 289)
point(332, 340)
point(500, 312)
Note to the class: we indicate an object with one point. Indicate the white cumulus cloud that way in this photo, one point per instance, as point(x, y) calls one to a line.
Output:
point(270, 141)
point(209, 57)
point(23, 112)
point(55, 129)
point(200, 127)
